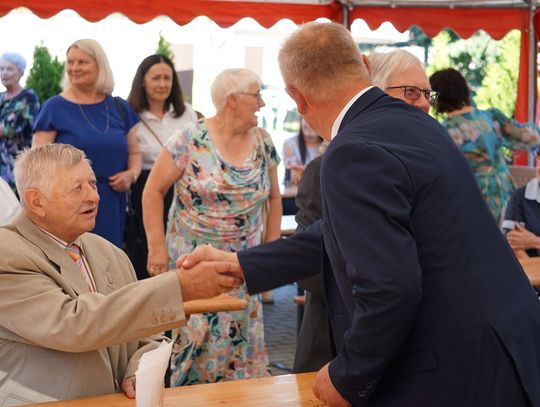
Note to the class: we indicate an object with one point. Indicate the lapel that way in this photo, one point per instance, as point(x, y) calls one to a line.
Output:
point(361, 104)
point(99, 265)
point(69, 274)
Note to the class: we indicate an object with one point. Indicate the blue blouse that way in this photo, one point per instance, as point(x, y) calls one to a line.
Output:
point(100, 130)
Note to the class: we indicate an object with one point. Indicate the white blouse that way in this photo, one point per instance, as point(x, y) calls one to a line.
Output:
point(164, 128)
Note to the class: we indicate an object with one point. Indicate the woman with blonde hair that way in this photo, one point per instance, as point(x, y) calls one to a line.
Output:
point(225, 173)
point(86, 116)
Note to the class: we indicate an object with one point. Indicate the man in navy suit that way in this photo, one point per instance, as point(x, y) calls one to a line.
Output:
point(427, 304)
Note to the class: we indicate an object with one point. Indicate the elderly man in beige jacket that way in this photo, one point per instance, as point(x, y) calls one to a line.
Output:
point(74, 321)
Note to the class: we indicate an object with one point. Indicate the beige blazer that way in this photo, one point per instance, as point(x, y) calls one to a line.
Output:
point(59, 341)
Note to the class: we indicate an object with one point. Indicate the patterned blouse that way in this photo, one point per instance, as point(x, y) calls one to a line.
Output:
point(480, 135)
point(17, 117)
point(218, 203)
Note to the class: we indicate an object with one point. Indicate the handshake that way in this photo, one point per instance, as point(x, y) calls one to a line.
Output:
point(207, 272)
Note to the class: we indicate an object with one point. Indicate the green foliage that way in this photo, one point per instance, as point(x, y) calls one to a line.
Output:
point(489, 67)
point(164, 47)
point(46, 74)
point(499, 85)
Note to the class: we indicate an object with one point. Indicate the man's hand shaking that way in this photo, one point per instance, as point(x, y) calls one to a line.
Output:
point(207, 272)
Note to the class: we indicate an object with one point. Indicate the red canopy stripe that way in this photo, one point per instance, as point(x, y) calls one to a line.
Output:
point(223, 13)
point(465, 22)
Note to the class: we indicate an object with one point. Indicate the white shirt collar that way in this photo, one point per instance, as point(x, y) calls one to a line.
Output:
point(57, 240)
point(146, 114)
point(532, 190)
point(341, 115)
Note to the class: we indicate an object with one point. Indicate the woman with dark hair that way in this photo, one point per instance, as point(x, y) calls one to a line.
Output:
point(299, 150)
point(156, 95)
point(480, 135)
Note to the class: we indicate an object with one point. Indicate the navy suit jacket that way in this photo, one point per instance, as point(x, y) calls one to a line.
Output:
point(427, 304)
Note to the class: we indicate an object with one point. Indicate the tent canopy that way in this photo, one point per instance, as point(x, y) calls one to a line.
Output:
point(496, 17)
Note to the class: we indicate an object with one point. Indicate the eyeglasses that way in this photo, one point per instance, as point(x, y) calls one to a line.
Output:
point(414, 93)
point(257, 95)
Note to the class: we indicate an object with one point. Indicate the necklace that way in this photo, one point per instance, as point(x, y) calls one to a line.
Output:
point(92, 124)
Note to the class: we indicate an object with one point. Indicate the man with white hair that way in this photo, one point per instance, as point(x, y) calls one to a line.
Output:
point(427, 304)
point(74, 321)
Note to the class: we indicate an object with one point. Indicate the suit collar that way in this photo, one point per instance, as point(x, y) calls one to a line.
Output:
point(99, 266)
point(362, 103)
point(67, 268)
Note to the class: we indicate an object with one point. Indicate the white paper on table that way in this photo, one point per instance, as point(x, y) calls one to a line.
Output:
point(149, 375)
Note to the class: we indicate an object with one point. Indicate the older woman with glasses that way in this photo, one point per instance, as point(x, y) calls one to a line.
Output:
point(402, 75)
point(225, 172)
point(481, 136)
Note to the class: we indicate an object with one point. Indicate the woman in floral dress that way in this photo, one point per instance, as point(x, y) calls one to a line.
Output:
point(18, 107)
point(481, 135)
point(225, 172)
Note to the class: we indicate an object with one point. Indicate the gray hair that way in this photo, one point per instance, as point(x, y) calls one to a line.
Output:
point(384, 66)
point(105, 80)
point(16, 59)
point(320, 59)
point(230, 81)
point(36, 167)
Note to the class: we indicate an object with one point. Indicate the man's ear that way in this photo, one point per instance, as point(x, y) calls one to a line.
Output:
point(367, 62)
point(34, 201)
point(299, 99)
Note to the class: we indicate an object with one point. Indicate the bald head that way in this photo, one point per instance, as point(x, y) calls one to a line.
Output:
point(321, 58)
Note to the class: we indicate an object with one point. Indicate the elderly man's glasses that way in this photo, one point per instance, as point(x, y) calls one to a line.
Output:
point(414, 93)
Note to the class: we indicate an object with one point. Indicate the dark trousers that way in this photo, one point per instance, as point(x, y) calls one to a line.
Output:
point(135, 236)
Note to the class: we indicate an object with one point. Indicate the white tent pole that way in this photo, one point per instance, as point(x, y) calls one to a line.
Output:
point(345, 9)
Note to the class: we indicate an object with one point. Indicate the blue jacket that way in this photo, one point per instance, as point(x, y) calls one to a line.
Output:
point(427, 304)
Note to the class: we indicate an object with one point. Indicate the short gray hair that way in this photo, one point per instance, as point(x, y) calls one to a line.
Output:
point(105, 80)
point(36, 167)
point(384, 66)
point(319, 59)
point(230, 81)
point(16, 59)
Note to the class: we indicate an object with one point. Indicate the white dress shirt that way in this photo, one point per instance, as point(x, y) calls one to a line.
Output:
point(341, 115)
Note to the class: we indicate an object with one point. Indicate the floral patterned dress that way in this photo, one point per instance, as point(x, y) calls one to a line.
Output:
point(480, 135)
point(220, 204)
point(17, 117)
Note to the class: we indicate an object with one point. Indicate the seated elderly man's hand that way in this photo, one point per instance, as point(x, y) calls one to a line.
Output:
point(205, 252)
point(208, 279)
point(128, 385)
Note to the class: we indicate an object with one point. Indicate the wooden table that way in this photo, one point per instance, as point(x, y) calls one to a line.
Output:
point(220, 303)
point(288, 390)
point(531, 266)
point(288, 225)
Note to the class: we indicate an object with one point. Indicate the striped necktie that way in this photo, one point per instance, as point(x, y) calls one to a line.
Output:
point(74, 252)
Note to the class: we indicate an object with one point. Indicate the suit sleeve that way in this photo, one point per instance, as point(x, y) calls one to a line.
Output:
point(36, 309)
point(369, 197)
point(282, 261)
